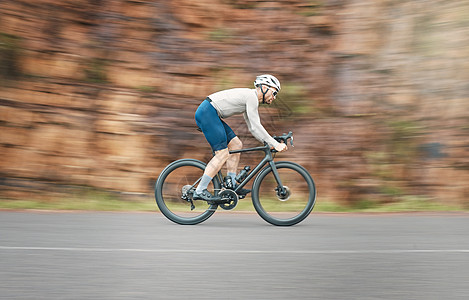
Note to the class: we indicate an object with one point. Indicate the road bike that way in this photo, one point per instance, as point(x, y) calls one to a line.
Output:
point(283, 193)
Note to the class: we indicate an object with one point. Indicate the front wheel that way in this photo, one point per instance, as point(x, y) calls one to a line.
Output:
point(174, 188)
point(290, 204)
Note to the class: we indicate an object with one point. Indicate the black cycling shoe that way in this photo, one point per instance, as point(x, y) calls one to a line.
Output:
point(206, 196)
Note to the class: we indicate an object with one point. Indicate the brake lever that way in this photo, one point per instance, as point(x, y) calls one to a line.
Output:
point(284, 138)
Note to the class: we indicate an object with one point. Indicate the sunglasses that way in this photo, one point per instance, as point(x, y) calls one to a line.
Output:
point(274, 91)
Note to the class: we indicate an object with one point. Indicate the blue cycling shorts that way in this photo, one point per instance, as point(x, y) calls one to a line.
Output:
point(216, 131)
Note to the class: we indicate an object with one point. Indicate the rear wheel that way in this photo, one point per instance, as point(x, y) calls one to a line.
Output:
point(289, 205)
point(174, 188)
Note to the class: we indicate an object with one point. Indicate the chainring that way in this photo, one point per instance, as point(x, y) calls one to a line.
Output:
point(229, 199)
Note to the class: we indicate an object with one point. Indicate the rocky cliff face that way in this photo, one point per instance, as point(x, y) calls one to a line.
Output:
point(102, 93)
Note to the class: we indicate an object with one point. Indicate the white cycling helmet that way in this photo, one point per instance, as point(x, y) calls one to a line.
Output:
point(269, 80)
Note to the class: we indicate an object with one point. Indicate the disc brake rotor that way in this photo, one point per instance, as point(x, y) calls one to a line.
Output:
point(284, 196)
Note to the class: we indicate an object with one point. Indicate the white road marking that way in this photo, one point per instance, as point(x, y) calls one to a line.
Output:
point(222, 251)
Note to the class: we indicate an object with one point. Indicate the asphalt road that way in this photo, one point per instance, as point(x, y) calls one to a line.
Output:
point(46, 255)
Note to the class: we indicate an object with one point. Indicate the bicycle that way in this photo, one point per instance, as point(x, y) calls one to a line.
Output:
point(283, 193)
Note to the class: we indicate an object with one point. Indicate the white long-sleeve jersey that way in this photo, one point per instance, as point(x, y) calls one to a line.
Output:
point(242, 101)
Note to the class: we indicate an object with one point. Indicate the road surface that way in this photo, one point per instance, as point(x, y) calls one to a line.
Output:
point(96, 255)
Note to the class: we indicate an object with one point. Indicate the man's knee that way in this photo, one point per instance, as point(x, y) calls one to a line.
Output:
point(222, 154)
point(235, 144)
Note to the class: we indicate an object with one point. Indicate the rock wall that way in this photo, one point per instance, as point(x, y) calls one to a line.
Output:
point(403, 66)
point(102, 93)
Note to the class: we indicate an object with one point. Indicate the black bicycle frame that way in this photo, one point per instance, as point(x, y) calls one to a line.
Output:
point(268, 158)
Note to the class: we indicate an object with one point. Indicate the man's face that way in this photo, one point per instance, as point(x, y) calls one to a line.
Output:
point(271, 95)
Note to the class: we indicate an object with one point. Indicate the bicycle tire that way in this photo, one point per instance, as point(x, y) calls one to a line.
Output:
point(169, 190)
point(292, 208)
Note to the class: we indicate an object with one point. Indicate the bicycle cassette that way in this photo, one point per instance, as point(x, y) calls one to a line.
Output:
point(186, 192)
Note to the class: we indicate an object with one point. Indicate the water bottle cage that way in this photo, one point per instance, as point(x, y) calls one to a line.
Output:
point(228, 182)
point(243, 174)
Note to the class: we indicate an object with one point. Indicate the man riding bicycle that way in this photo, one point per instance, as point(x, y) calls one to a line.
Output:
point(221, 137)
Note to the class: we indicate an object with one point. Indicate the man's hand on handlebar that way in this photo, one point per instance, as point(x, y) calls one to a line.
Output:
point(283, 140)
point(281, 147)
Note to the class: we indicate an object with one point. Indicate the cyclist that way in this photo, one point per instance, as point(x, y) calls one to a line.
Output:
point(221, 137)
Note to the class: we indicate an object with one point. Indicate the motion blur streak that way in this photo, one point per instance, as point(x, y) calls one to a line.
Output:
point(102, 93)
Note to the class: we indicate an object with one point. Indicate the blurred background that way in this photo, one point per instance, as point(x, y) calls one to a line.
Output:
point(101, 94)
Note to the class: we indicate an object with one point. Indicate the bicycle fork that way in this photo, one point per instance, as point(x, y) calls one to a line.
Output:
point(280, 189)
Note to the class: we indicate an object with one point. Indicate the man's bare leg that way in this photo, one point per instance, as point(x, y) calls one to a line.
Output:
point(233, 160)
point(218, 160)
point(212, 168)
